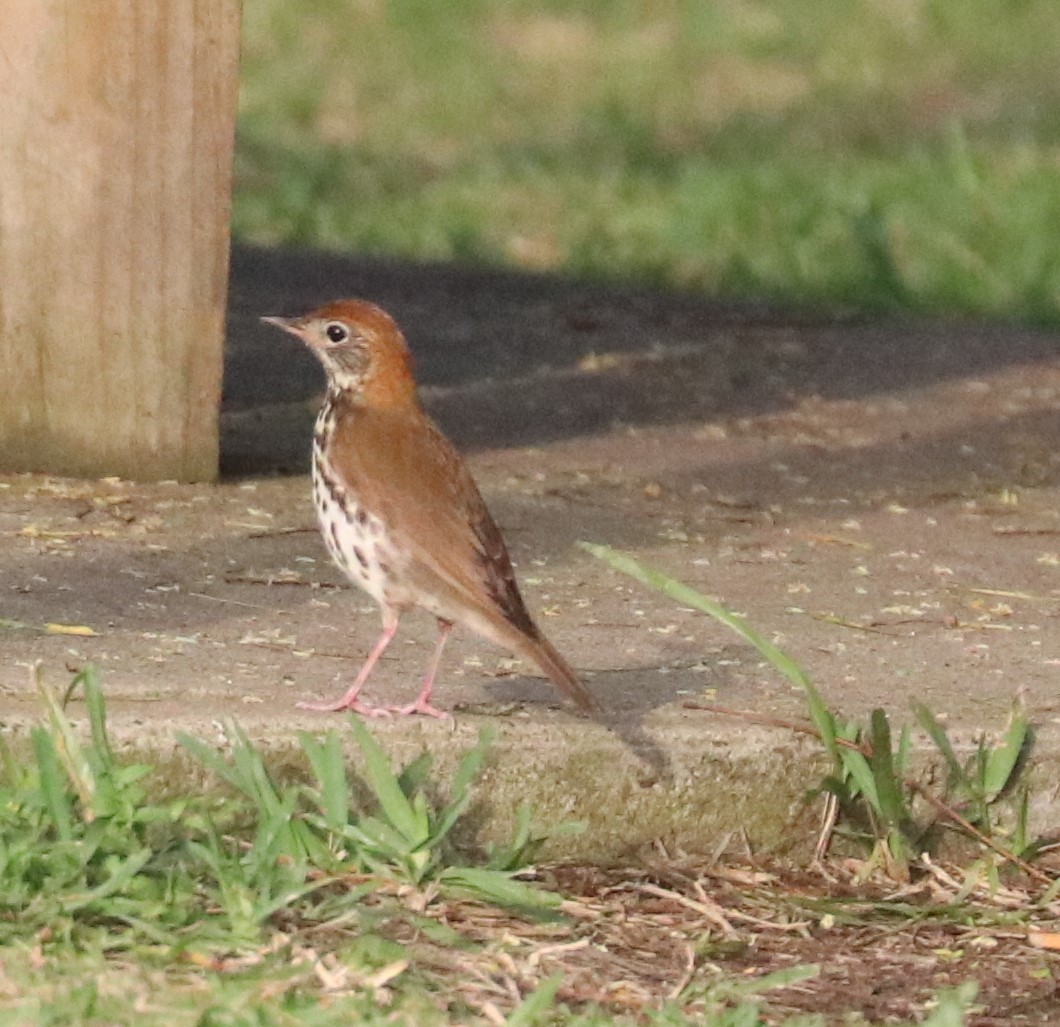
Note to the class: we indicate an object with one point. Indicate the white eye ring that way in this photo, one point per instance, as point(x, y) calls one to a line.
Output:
point(336, 332)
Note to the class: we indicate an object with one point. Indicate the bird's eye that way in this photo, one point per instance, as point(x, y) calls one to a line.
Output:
point(336, 331)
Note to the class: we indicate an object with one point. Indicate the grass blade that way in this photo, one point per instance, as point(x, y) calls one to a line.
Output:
point(384, 784)
point(501, 888)
point(248, 763)
point(784, 978)
point(691, 597)
point(859, 770)
point(888, 791)
point(937, 734)
point(851, 761)
point(67, 748)
point(460, 791)
point(687, 596)
point(89, 680)
point(416, 774)
point(901, 753)
point(117, 879)
point(53, 783)
point(471, 763)
point(1002, 760)
point(329, 769)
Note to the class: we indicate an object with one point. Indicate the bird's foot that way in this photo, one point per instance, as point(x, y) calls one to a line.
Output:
point(362, 709)
point(421, 705)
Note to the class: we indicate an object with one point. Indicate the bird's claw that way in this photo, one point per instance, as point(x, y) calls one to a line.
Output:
point(365, 710)
point(420, 707)
point(370, 712)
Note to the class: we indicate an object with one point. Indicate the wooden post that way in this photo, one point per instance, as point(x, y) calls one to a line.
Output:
point(117, 120)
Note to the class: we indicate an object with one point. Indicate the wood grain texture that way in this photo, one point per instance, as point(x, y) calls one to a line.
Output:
point(116, 148)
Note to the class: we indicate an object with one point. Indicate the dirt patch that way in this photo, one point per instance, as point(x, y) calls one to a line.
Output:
point(683, 933)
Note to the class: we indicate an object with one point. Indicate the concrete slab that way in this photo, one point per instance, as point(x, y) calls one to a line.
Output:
point(881, 498)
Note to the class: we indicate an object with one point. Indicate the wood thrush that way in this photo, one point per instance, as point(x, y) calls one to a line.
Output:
point(398, 508)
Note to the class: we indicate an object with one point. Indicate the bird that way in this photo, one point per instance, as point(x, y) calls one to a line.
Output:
point(399, 510)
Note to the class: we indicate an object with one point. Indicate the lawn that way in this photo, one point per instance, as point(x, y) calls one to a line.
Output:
point(863, 155)
point(339, 899)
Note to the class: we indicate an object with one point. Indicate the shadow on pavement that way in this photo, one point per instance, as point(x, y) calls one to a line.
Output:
point(509, 358)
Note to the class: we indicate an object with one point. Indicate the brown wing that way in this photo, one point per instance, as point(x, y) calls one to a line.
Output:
point(408, 474)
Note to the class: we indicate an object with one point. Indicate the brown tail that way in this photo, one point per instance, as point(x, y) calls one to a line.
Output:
point(544, 654)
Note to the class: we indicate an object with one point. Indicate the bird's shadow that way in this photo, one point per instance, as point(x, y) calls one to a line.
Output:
point(628, 698)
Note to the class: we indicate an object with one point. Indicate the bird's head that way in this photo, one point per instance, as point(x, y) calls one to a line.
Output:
point(362, 350)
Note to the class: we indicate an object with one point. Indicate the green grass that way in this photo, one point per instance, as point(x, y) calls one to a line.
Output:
point(871, 779)
point(283, 903)
point(872, 156)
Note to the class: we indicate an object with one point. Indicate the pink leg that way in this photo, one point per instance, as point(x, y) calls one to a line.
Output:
point(423, 700)
point(349, 701)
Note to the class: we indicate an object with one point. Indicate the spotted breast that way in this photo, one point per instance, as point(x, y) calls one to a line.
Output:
point(356, 539)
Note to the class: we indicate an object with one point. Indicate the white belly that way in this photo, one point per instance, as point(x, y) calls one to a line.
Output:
point(356, 539)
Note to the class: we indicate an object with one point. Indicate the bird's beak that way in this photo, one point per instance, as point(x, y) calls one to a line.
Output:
point(288, 324)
